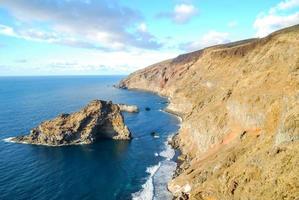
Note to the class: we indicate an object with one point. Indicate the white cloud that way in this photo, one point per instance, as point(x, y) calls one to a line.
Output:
point(104, 24)
point(265, 24)
point(90, 62)
point(142, 27)
point(288, 4)
point(49, 37)
point(6, 30)
point(278, 17)
point(209, 39)
point(182, 13)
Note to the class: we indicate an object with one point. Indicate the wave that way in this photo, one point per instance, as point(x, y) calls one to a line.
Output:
point(155, 187)
point(9, 139)
point(168, 152)
point(147, 191)
point(161, 179)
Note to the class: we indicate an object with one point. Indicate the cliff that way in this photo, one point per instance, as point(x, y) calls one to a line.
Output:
point(99, 119)
point(240, 108)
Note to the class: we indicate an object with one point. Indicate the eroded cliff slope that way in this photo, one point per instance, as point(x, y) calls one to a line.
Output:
point(240, 108)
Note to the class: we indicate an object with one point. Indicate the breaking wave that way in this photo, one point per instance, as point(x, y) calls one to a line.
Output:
point(155, 187)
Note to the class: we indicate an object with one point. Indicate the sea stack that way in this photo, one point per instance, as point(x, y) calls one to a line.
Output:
point(128, 108)
point(99, 119)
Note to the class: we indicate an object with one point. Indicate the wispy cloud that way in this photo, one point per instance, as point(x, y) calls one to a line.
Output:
point(8, 31)
point(209, 39)
point(21, 61)
point(77, 67)
point(181, 14)
point(142, 27)
point(88, 24)
point(285, 5)
point(232, 24)
point(87, 62)
point(49, 37)
point(276, 18)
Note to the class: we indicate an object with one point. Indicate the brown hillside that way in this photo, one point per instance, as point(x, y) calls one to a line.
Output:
point(240, 108)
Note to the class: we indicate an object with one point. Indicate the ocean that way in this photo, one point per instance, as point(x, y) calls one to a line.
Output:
point(105, 170)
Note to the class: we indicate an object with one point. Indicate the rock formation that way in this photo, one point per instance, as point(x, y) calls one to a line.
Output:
point(128, 108)
point(99, 119)
point(240, 108)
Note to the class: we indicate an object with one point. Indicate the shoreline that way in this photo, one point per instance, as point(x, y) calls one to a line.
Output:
point(159, 175)
point(180, 159)
point(166, 109)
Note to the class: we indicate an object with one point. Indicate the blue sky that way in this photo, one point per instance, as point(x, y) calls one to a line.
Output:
point(89, 37)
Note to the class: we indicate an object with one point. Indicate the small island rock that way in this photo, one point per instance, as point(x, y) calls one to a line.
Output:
point(128, 108)
point(99, 119)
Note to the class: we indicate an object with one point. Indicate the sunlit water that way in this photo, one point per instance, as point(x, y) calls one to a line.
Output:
point(108, 169)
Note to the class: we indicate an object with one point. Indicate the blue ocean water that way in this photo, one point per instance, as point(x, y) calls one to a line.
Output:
point(104, 170)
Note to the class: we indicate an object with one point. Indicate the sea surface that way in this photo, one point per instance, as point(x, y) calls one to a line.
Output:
point(106, 170)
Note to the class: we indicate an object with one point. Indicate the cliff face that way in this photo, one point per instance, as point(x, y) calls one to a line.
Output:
point(240, 108)
point(99, 119)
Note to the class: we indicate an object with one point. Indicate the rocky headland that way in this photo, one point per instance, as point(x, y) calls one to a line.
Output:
point(99, 119)
point(239, 103)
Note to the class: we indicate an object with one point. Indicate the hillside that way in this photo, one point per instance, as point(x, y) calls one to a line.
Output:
point(240, 108)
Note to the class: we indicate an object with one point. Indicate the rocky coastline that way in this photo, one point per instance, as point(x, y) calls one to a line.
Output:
point(99, 119)
point(239, 108)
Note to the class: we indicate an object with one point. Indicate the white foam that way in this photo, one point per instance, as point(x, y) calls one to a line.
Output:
point(161, 179)
point(155, 188)
point(168, 151)
point(156, 136)
point(8, 139)
point(164, 173)
point(147, 191)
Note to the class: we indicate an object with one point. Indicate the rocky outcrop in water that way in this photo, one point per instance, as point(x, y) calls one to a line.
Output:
point(240, 108)
point(128, 108)
point(99, 119)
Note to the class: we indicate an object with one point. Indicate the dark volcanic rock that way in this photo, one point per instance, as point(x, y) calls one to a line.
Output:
point(154, 134)
point(99, 119)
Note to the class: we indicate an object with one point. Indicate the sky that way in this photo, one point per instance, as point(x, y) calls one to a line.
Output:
point(117, 37)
